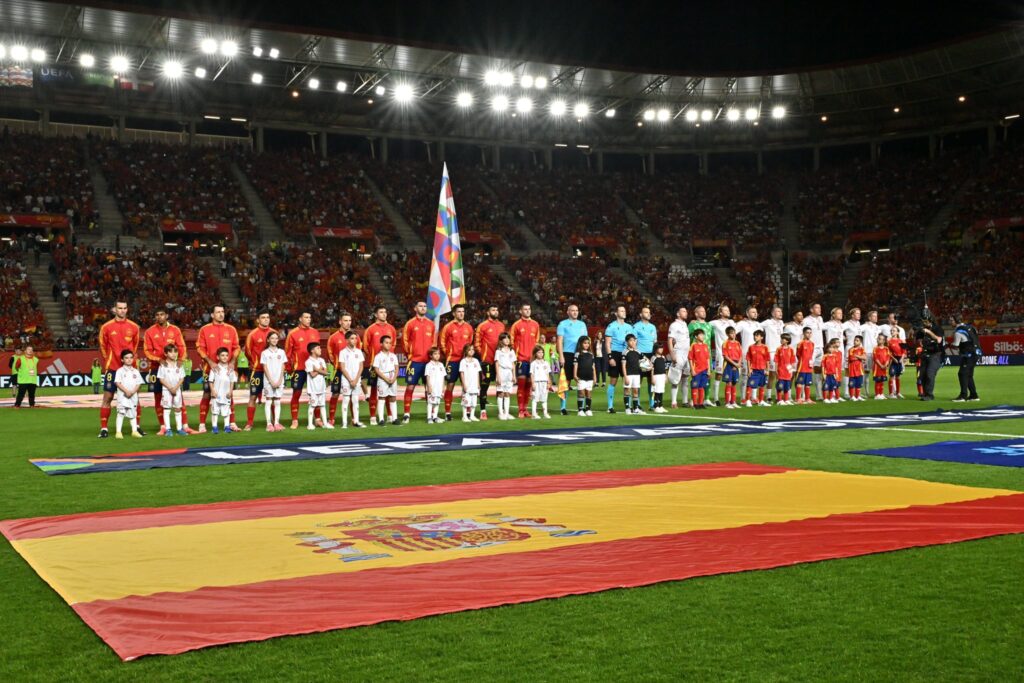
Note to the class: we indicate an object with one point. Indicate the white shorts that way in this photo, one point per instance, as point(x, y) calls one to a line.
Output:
point(540, 391)
point(346, 389)
point(816, 359)
point(169, 400)
point(584, 385)
point(632, 382)
point(506, 382)
point(469, 399)
point(128, 407)
point(317, 400)
point(771, 366)
point(270, 392)
point(385, 390)
point(659, 384)
point(719, 362)
point(221, 408)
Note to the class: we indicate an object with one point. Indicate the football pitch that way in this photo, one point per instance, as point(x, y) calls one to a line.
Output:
point(941, 612)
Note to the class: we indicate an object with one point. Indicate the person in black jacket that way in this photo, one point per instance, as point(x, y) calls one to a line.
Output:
point(968, 346)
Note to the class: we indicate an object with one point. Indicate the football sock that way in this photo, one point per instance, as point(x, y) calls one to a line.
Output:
point(268, 412)
point(250, 414)
point(718, 383)
point(355, 407)
point(105, 416)
point(165, 417)
point(178, 419)
point(160, 417)
point(332, 407)
point(295, 404)
point(407, 399)
point(449, 393)
point(119, 422)
point(204, 409)
point(610, 391)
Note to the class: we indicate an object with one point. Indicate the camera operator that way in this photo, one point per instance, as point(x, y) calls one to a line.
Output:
point(967, 344)
point(929, 334)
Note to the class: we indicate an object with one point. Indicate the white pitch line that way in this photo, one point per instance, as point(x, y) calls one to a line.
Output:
point(693, 417)
point(943, 431)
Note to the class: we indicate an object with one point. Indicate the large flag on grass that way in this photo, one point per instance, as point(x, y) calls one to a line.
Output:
point(447, 278)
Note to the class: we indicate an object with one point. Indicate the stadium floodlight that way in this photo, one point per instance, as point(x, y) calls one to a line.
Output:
point(208, 46)
point(557, 107)
point(524, 105)
point(609, 113)
point(506, 79)
point(540, 82)
point(824, 118)
point(257, 51)
point(499, 103)
point(274, 53)
point(778, 112)
point(86, 60)
point(492, 78)
point(707, 115)
point(581, 110)
point(229, 48)
point(173, 69)
point(733, 114)
point(664, 114)
point(692, 115)
point(962, 99)
point(341, 86)
point(526, 81)
point(380, 90)
point(464, 99)
point(313, 83)
point(200, 72)
point(895, 110)
point(3, 51)
point(649, 114)
point(119, 64)
point(256, 77)
point(19, 53)
point(38, 55)
point(750, 114)
point(404, 93)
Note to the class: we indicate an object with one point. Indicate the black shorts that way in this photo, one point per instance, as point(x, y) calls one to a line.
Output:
point(155, 385)
point(367, 374)
point(488, 373)
point(256, 383)
point(298, 380)
point(452, 370)
point(108, 382)
point(569, 366)
point(615, 370)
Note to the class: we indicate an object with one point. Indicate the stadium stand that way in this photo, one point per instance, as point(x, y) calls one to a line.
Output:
point(987, 288)
point(153, 181)
point(21, 320)
point(762, 281)
point(672, 286)
point(894, 279)
point(813, 278)
point(996, 192)
point(304, 191)
point(45, 176)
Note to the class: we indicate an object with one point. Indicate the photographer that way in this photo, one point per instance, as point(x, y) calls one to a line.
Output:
point(929, 334)
point(968, 347)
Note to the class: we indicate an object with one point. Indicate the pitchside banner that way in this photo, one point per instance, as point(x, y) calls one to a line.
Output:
point(197, 457)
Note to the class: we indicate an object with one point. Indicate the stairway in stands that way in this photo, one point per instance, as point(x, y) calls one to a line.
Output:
point(651, 241)
point(407, 237)
point(789, 228)
point(42, 284)
point(942, 219)
point(847, 282)
point(377, 281)
point(267, 227)
point(111, 221)
point(730, 285)
point(534, 243)
point(502, 271)
point(228, 288)
point(641, 290)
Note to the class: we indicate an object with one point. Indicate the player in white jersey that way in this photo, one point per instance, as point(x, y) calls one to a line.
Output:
point(679, 353)
point(870, 331)
point(773, 328)
point(814, 321)
point(891, 328)
point(720, 324)
point(745, 330)
point(795, 328)
point(833, 330)
point(272, 360)
point(851, 329)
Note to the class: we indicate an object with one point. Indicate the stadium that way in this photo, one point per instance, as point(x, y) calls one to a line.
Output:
point(522, 342)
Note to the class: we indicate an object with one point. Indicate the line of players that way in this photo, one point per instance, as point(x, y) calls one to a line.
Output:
point(302, 362)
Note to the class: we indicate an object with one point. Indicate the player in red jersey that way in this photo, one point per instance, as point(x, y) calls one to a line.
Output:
point(524, 333)
point(255, 343)
point(377, 330)
point(758, 357)
point(732, 357)
point(117, 335)
point(156, 337)
point(418, 336)
point(335, 343)
point(454, 337)
point(486, 343)
point(700, 363)
point(212, 336)
point(805, 366)
point(785, 365)
point(296, 347)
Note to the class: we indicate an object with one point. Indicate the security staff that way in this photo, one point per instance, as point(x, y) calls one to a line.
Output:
point(968, 346)
point(929, 334)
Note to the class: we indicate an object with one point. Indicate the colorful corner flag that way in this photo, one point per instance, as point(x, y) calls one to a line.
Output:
point(563, 385)
point(447, 278)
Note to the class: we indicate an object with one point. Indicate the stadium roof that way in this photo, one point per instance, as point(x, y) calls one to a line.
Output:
point(956, 75)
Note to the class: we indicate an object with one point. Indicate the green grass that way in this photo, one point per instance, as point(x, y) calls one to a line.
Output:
point(945, 612)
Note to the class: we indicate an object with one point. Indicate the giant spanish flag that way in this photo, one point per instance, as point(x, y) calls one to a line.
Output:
point(447, 285)
point(168, 580)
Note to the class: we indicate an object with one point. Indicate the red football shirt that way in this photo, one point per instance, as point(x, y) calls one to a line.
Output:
point(896, 348)
point(700, 358)
point(733, 350)
point(882, 359)
point(804, 355)
point(213, 336)
point(832, 363)
point(297, 343)
point(454, 337)
point(372, 337)
point(785, 357)
point(525, 334)
point(758, 356)
point(116, 336)
point(417, 339)
point(255, 344)
point(855, 361)
point(156, 338)
point(486, 341)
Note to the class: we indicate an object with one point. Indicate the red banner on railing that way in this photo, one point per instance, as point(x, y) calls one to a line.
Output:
point(345, 233)
point(1008, 222)
point(477, 237)
point(196, 227)
point(34, 220)
point(595, 241)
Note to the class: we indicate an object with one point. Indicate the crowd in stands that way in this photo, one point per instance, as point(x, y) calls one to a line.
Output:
point(44, 176)
point(897, 195)
point(997, 191)
point(303, 191)
point(896, 279)
point(153, 181)
point(672, 286)
point(414, 187)
point(987, 287)
point(761, 279)
point(813, 278)
point(21, 320)
point(88, 281)
point(288, 280)
point(731, 204)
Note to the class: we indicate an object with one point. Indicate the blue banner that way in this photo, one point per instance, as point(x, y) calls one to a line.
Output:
point(394, 445)
point(1005, 452)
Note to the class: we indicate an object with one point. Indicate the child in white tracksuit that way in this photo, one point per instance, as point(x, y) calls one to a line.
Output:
point(222, 384)
point(316, 387)
point(539, 378)
point(436, 375)
point(505, 369)
point(128, 379)
point(470, 370)
point(172, 376)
